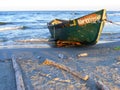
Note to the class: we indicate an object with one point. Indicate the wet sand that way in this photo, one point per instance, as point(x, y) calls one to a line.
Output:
point(7, 76)
point(101, 62)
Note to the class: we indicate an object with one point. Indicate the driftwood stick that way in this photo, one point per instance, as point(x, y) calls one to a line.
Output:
point(65, 68)
point(101, 85)
point(18, 74)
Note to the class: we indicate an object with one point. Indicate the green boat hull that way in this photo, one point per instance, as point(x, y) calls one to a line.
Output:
point(86, 29)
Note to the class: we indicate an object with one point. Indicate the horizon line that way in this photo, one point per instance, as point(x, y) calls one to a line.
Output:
point(58, 10)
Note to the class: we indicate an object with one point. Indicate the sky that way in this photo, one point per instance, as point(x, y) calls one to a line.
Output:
point(13, 5)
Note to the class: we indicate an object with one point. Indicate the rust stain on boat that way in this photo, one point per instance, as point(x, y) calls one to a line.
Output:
point(88, 19)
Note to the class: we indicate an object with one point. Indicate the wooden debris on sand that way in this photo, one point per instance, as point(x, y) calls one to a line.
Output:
point(65, 68)
point(101, 85)
point(82, 55)
point(60, 80)
point(18, 74)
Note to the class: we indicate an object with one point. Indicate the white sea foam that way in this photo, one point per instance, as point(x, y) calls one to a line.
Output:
point(26, 46)
point(34, 40)
point(11, 28)
point(113, 23)
point(114, 14)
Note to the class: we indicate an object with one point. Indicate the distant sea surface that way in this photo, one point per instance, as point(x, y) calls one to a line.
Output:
point(32, 25)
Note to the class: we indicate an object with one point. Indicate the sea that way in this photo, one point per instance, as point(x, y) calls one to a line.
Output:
point(25, 27)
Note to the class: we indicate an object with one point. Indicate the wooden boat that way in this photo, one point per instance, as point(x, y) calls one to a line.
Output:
point(85, 30)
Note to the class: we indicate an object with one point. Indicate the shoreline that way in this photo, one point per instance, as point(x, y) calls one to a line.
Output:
point(50, 44)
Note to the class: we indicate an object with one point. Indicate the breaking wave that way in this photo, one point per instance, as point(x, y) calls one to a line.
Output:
point(114, 14)
point(34, 40)
point(12, 28)
point(113, 23)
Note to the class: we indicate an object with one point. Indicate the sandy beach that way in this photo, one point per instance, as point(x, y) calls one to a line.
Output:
point(99, 62)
